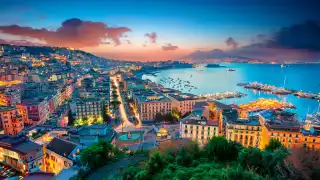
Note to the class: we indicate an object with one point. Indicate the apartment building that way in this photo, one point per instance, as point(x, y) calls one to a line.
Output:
point(60, 154)
point(197, 128)
point(247, 132)
point(149, 104)
point(20, 153)
point(89, 107)
point(12, 122)
point(184, 102)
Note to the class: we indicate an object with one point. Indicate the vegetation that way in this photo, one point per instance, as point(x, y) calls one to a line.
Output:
point(165, 117)
point(70, 119)
point(88, 121)
point(219, 159)
point(115, 103)
point(97, 155)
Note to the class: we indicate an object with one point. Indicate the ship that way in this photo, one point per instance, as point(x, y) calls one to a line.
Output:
point(284, 65)
point(231, 70)
point(212, 65)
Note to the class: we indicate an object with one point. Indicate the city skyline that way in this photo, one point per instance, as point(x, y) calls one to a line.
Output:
point(162, 30)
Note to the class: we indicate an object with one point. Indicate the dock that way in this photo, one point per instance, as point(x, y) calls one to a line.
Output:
point(279, 91)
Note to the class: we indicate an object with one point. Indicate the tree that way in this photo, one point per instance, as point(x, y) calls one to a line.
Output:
point(158, 117)
point(130, 173)
point(115, 104)
point(220, 149)
point(70, 118)
point(251, 158)
point(273, 145)
point(98, 154)
point(175, 113)
point(155, 163)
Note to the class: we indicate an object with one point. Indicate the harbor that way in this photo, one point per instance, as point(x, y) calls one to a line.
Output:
point(224, 95)
point(279, 90)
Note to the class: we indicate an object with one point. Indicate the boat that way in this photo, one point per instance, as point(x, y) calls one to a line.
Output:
point(231, 70)
point(281, 91)
point(284, 65)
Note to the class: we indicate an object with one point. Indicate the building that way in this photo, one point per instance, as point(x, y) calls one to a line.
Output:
point(87, 135)
point(184, 102)
point(197, 128)
point(149, 103)
point(11, 120)
point(10, 97)
point(282, 126)
point(247, 132)
point(89, 108)
point(37, 110)
point(222, 113)
point(20, 153)
point(60, 154)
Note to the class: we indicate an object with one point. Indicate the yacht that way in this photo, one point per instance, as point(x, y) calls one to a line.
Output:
point(231, 70)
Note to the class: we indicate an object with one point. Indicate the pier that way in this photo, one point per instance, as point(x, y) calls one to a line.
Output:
point(279, 91)
point(224, 95)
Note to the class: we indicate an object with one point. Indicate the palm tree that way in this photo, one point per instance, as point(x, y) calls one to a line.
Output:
point(115, 103)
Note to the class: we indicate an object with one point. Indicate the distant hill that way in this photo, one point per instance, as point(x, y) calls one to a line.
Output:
point(214, 56)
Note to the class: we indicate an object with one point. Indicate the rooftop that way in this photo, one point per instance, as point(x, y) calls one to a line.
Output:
point(280, 120)
point(200, 122)
point(152, 98)
point(251, 121)
point(222, 106)
point(184, 96)
point(62, 147)
point(20, 144)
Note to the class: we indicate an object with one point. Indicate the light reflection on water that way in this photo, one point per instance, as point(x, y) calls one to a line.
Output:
point(304, 77)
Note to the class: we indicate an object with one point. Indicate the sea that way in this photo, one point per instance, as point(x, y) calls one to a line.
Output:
point(305, 77)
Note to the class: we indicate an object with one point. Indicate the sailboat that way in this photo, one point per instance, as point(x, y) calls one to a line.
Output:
point(282, 91)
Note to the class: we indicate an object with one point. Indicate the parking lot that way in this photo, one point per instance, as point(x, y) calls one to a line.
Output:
point(7, 171)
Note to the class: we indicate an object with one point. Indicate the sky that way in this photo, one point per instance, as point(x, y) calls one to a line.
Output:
point(152, 30)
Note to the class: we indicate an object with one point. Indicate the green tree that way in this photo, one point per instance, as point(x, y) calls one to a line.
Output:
point(70, 118)
point(158, 117)
point(98, 154)
point(175, 113)
point(251, 158)
point(115, 103)
point(155, 163)
point(218, 148)
point(130, 173)
point(142, 175)
point(273, 145)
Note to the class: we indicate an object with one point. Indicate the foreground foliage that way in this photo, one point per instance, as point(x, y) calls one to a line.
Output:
point(219, 159)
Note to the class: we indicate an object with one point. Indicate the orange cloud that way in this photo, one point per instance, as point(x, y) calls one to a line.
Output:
point(72, 33)
point(169, 47)
point(152, 36)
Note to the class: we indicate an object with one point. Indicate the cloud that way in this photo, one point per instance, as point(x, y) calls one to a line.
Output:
point(231, 42)
point(169, 47)
point(20, 42)
point(72, 33)
point(152, 36)
point(299, 36)
point(299, 42)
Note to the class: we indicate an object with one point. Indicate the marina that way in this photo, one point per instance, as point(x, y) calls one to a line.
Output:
point(279, 91)
point(224, 95)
